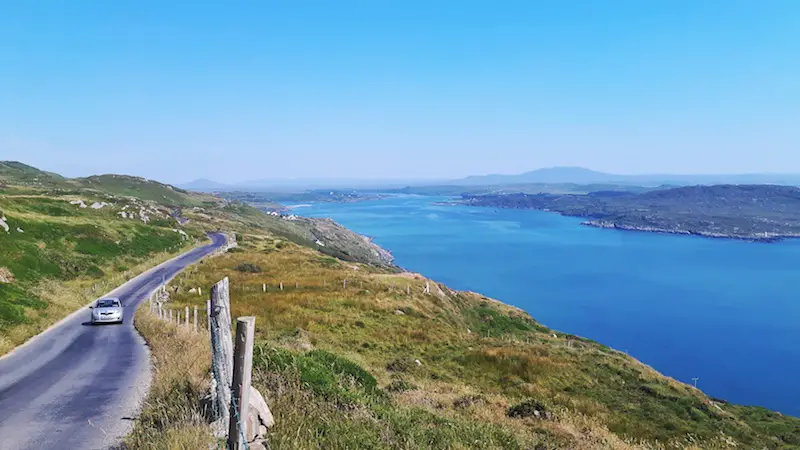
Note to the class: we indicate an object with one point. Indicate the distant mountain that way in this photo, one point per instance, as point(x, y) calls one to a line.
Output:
point(204, 185)
point(579, 175)
point(300, 184)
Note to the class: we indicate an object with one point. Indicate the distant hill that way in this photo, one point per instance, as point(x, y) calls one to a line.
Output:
point(579, 175)
point(21, 176)
point(13, 172)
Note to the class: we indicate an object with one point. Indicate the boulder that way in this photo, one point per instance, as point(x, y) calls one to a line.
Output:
point(259, 405)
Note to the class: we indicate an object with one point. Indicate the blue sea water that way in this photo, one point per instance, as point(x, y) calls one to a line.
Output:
point(725, 311)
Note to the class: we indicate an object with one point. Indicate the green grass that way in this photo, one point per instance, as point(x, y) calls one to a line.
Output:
point(62, 243)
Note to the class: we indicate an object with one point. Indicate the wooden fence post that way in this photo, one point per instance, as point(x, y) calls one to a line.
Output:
point(222, 352)
point(242, 372)
point(170, 315)
point(195, 318)
point(344, 283)
point(281, 285)
point(178, 319)
point(187, 317)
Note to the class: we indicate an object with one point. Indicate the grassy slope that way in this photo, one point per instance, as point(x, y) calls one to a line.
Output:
point(66, 255)
point(339, 367)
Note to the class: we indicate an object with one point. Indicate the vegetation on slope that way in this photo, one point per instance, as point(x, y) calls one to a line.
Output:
point(371, 366)
point(758, 212)
point(21, 176)
point(56, 256)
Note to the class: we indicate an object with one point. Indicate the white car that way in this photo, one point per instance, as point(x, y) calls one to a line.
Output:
point(107, 310)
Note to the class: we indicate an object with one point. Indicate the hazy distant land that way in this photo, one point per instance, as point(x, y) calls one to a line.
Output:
point(751, 212)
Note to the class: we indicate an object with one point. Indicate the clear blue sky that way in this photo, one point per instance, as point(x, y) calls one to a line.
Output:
point(396, 89)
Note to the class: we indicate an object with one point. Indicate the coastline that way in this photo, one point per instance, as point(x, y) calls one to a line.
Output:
point(766, 238)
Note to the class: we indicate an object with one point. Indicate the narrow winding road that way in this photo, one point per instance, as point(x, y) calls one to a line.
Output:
point(78, 386)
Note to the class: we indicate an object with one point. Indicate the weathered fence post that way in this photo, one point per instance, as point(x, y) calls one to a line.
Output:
point(264, 287)
point(178, 319)
point(281, 285)
point(195, 318)
point(242, 372)
point(344, 283)
point(187, 317)
point(296, 285)
point(170, 316)
point(221, 352)
point(408, 290)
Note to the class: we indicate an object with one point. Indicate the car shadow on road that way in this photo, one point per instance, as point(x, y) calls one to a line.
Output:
point(89, 323)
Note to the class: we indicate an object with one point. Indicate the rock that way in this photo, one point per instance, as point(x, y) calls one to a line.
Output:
point(399, 313)
point(99, 205)
point(80, 203)
point(123, 214)
point(20, 230)
point(418, 362)
point(3, 223)
point(258, 403)
point(5, 275)
point(193, 290)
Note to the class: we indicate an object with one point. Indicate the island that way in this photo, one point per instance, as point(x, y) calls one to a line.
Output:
point(751, 212)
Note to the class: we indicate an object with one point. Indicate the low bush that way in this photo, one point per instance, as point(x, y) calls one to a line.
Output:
point(248, 268)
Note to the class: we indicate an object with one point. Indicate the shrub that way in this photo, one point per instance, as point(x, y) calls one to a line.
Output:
point(528, 408)
point(400, 385)
point(248, 268)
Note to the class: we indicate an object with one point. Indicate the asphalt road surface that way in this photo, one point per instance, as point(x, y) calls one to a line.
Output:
point(78, 386)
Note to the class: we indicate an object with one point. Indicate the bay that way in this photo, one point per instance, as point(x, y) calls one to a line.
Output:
point(724, 311)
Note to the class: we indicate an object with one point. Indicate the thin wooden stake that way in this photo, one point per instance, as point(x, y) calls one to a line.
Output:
point(187, 317)
point(195, 318)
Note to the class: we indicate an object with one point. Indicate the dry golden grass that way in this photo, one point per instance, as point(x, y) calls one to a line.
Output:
point(172, 417)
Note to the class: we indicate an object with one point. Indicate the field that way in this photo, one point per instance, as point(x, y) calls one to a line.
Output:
point(381, 364)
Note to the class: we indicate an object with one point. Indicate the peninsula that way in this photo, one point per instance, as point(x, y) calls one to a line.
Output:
point(751, 212)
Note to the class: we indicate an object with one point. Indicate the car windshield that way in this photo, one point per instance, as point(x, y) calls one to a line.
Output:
point(107, 303)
